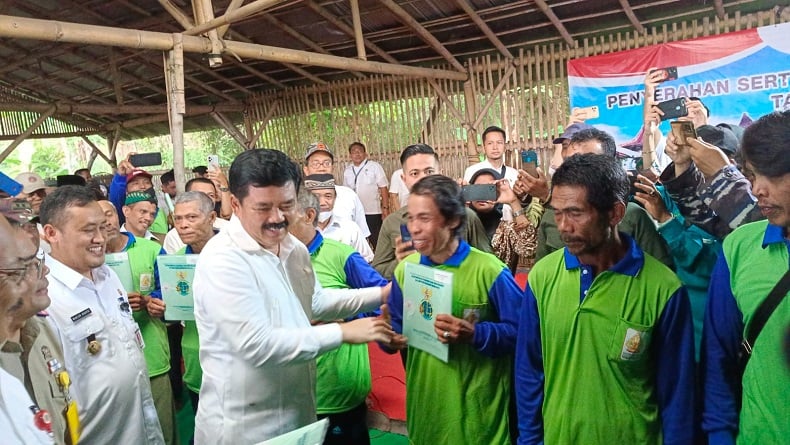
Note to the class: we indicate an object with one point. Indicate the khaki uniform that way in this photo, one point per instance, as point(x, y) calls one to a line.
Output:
point(36, 361)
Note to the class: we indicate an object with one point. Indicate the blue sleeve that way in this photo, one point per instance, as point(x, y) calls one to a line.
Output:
point(360, 274)
point(673, 343)
point(117, 194)
point(157, 292)
point(395, 304)
point(529, 373)
point(498, 338)
point(721, 378)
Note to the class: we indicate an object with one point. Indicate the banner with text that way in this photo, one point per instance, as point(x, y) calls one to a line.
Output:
point(739, 76)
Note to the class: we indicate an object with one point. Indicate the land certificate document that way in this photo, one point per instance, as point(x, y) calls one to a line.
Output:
point(119, 263)
point(176, 274)
point(427, 292)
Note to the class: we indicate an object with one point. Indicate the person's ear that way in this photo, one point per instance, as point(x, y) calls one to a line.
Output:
point(126, 210)
point(50, 233)
point(310, 215)
point(235, 204)
point(617, 213)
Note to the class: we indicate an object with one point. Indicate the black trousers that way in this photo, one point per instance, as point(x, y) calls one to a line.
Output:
point(348, 428)
point(374, 224)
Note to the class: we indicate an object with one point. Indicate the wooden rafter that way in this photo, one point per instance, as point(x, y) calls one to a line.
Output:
point(469, 10)
point(629, 12)
point(26, 133)
point(357, 22)
point(233, 16)
point(204, 12)
point(423, 33)
point(263, 123)
point(443, 96)
point(116, 81)
point(68, 108)
point(546, 9)
point(229, 128)
point(232, 6)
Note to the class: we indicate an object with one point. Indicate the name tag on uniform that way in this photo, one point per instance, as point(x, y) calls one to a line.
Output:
point(138, 337)
point(80, 315)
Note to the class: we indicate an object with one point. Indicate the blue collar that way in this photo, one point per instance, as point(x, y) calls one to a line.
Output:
point(316, 243)
point(773, 234)
point(630, 264)
point(129, 241)
point(455, 259)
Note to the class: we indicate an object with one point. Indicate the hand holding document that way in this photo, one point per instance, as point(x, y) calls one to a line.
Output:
point(427, 292)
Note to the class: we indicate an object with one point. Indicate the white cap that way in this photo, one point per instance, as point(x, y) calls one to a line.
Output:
point(30, 182)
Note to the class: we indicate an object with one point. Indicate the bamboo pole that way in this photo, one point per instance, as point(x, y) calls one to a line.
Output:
point(226, 125)
point(206, 14)
point(49, 30)
point(95, 150)
point(233, 16)
point(72, 108)
point(26, 133)
point(232, 6)
point(355, 19)
point(174, 72)
point(493, 97)
point(492, 37)
point(263, 123)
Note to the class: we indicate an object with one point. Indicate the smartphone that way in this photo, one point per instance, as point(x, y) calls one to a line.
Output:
point(479, 192)
point(682, 130)
point(405, 236)
point(213, 162)
point(146, 159)
point(667, 73)
point(673, 109)
point(8, 185)
point(587, 113)
point(529, 162)
point(631, 181)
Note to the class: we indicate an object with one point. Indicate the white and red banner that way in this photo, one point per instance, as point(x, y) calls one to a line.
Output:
point(739, 76)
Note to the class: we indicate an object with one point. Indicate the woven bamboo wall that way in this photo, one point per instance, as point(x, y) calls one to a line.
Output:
point(527, 96)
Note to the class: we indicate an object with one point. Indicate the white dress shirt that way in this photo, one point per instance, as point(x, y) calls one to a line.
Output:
point(16, 416)
point(111, 387)
point(173, 242)
point(257, 347)
point(347, 232)
point(349, 207)
point(398, 187)
point(511, 174)
point(366, 179)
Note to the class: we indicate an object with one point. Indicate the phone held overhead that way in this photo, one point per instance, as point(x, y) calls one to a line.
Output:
point(146, 159)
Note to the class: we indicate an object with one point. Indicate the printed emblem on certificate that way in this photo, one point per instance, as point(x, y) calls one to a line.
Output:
point(176, 274)
point(427, 292)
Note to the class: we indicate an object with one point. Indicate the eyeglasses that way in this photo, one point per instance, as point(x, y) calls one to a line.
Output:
point(324, 163)
point(36, 264)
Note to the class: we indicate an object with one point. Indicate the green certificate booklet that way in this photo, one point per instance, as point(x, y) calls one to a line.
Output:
point(176, 274)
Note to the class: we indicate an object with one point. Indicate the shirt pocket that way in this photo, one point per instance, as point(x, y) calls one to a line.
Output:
point(630, 342)
point(77, 337)
point(471, 312)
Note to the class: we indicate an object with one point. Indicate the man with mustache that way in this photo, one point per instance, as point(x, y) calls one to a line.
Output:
point(604, 328)
point(33, 352)
point(750, 404)
point(255, 296)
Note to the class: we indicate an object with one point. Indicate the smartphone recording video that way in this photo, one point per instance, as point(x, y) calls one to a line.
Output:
point(667, 73)
point(673, 109)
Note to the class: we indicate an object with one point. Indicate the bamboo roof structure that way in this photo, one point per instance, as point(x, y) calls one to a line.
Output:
point(78, 67)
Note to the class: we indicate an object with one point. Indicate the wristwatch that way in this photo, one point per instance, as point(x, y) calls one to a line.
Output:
point(518, 213)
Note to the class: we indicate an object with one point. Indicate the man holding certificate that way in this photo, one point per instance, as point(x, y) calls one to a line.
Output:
point(459, 361)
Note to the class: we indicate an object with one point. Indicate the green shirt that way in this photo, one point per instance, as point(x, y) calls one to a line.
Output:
point(190, 348)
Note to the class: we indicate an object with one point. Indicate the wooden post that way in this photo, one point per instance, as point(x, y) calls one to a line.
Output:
point(26, 133)
point(227, 125)
point(471, 131)
point(358, 30)
point(174, 73)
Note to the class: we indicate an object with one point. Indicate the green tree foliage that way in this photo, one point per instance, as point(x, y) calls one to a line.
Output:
point(48, 160)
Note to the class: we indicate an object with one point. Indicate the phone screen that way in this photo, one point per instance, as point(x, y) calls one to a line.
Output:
point(479, 192)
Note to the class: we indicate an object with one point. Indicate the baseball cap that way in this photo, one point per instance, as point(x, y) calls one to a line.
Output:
point(318, 146)
point(570, 130)
point(721, 137)
point(136, 173)
point(319, 181)
point(30, 182)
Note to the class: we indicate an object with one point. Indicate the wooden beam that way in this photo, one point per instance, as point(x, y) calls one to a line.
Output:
point(257, 73)
point(232, 6)
point(305, 73)
point(339, 24)
point(229, 128)
point(543, 6)
point(95, 149)
point(116, 82)
point(174, 73)
point(357, 22)
point(177, 14)
point(423, 33)
point(264, 122)
point(494, 95)
point(233, 16)
point(492, 37)
point(67, 134)
point(204, 12)
point(69, 108)
point(26, 133)
point(49, 30)
point(719, 6)
point(629, 12)
point(450, 107)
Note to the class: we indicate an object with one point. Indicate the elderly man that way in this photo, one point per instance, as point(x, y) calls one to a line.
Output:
point(194, 218)
point(604, 328)
point(102, 344)
point(747, 402)
point(173, 243)
point(18, 422)
point(472, 389)
point(338, 229)
point(255, 295)
point(319, 160)
point(342, 375)
point(33, 353)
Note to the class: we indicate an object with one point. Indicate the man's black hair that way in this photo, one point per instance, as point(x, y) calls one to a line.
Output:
point(262, 168)
point(588, 134)
point(494, 129)
point(168, 177)
point(765, 142)
point(198, 179)
point(447, 195)
point(55, 204)
point(601, 175)
point(417, 149)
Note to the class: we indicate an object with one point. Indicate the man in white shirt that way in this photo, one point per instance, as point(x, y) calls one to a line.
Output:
point(255, 297)
point(368, 180)
point(494, 148)
point(102, 344)
point(346, 232)
point(399, 193)
point(319, 159)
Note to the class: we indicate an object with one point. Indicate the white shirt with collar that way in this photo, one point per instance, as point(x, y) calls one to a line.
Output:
point(173, 242)
point(257, 346)
point(347, 232)
point(111, 387)
point(148, 234)
point(348, 206)
point(366, 179)
point(511, 174)
point(16, 416)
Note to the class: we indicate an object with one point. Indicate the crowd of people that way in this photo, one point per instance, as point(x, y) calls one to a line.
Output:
point(653, 310)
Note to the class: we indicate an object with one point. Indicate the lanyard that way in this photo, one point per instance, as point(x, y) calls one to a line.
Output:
point(356, 173)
